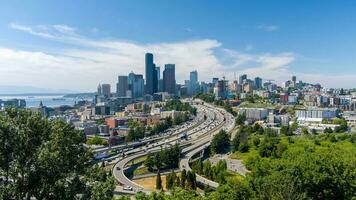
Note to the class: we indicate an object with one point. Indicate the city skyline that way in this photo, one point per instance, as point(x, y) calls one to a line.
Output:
point(39, 45)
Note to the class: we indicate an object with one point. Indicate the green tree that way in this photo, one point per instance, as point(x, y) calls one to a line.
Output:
point(240, 119)
point(220, 142)
point(305, 131)
point(183, 178)
point(158, 181)
point(45, 160)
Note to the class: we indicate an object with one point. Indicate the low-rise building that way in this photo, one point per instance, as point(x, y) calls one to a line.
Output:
point(173, 114)
point(314, 114)
point(254, 114)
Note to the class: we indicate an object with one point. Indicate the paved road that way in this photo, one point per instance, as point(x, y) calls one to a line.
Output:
point(214, 118)
point(232, 164)
point(227, 125)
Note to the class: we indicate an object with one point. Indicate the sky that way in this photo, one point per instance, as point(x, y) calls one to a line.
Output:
point(75, 45)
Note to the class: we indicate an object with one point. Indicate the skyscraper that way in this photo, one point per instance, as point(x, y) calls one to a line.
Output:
point(122, 86)
point(138, 86)
point(294, 80)
point(215, 80)
point(169, 80)
point(99, 89)
point(158, 71)
point(242, 78)
point(151, 75)
point(193, 82)
point(106, 90)
point(258, 83)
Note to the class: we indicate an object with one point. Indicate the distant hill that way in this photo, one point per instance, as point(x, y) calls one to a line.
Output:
point(20, 90)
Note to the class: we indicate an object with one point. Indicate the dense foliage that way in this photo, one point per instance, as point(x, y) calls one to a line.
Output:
point(177, 105)
point(96, 140)
point(221, 142)
point(216, 172)
point(45, 159)
point(136, 130)
point(162, 126)
point(165, 159)
point(299, 167)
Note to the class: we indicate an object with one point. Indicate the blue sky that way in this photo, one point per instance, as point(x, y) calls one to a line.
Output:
point(77, 44)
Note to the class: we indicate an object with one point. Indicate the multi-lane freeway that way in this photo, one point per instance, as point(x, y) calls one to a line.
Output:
point(199, 136)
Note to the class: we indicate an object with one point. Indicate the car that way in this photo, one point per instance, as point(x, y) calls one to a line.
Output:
point(118, 168)
point(129, 188)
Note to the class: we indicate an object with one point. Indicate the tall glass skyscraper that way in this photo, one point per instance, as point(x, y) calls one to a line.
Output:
point(169, 80)
point(194, 84)
point(122, 86)
point(151, 75)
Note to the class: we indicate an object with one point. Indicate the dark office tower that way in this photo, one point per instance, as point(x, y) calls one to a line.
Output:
point(158, 70)
point(294, 79)
point(151, 74)
point(99, 90)
point(155, 78)
point(194, 84)
point(135, 85)
point(258, 83)
point(122, 86)
point(215, 80)
point(169, 79)
point(242, 78)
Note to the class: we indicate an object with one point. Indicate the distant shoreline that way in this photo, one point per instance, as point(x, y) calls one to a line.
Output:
point(51, 94)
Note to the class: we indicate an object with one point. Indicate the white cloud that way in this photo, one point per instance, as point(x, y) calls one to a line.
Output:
point(86, 62)
point(268, 28)
point(64, 29)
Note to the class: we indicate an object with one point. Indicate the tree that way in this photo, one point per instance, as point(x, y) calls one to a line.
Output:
point(305, 131)
point(220, 142)
point(46, 160)
point(236, 141)
point(207, 169)
point(244, 147)
point(96, 140)
point(328, 130)
point(136, 130)
point(191, 180)
point(294, 126)
point(314, 132)
point(285, 130)
point(256, 141)
point(158, 181)
point(183, 178)
point(240, 119)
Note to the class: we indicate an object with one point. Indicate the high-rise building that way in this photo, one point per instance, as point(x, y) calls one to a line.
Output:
point(158, 71)
point(169, 80)
point(136, 85)
point(294, 79)
point(194, 84)
point(242, 78)
point(122, 86)
point(215, 80)
point(221, 89)
point(258, 83)
point(106, 90)
point(151, 75)
point(99, 90)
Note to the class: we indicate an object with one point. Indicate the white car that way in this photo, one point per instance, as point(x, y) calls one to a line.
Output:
point(129, 188)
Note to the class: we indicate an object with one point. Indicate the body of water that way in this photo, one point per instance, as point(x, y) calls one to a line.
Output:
point(47, 100)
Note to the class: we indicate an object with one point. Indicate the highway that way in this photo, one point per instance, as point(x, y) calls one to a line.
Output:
point(198, 136)
point(228, 125)
point(173, 131)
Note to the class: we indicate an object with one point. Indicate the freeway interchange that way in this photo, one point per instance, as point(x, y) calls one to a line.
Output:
point(199, 132)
